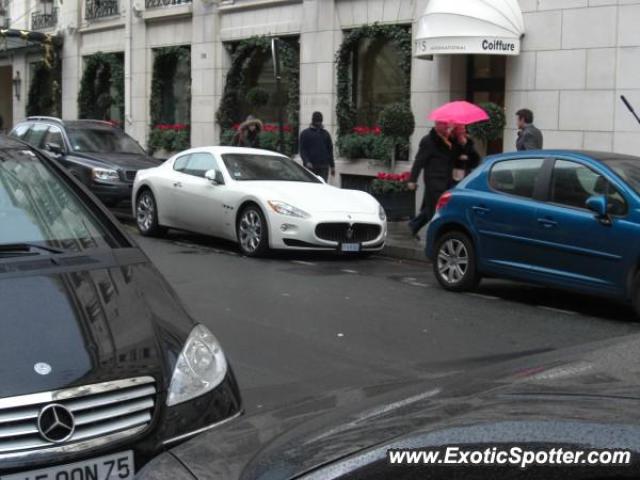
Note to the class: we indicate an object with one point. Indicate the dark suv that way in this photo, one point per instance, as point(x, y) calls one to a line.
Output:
point(101, 367)
point(96, 152)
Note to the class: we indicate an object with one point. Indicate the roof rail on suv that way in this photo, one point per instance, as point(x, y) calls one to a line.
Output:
point(42, 118)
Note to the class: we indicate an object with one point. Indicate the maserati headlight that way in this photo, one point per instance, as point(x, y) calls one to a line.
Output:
point(381, 213)
point(286, 209)
point(200, 368)
point(105, 175)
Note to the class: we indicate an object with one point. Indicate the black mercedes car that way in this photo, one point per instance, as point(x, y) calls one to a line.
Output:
point(101, 368)
point(96, 152)
point(586, 399)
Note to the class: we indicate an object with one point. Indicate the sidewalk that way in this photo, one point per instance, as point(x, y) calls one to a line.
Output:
point(400, 243)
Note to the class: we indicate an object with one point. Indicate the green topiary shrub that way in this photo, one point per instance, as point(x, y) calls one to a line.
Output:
point(397, 121)
point(493, 128)
point(257, 97)
point(398, 124)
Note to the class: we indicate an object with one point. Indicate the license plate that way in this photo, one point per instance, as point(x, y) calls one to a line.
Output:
point(350, 247)
point(111, 467)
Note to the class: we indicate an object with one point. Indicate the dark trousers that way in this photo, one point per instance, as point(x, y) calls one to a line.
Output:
point(427, 211)
point(322, 172)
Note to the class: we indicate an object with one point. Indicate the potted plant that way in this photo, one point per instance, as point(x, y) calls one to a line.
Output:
point(397, 124)
point(392, 191)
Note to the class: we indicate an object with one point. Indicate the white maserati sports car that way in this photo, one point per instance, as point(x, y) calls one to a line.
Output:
point(262, 200)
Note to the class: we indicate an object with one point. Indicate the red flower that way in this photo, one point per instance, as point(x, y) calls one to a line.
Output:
point(376, 130)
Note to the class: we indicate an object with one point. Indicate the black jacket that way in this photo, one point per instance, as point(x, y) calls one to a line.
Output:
point(316, 147)
point(435, 159)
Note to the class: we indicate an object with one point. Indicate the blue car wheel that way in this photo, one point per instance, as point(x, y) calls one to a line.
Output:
point(455, 262)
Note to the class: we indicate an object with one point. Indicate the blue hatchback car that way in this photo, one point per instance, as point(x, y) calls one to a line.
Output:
point(567, 219)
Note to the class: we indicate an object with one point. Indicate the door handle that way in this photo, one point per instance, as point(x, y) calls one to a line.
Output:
point(547, 222)
point(480, 210)
point(178, 184)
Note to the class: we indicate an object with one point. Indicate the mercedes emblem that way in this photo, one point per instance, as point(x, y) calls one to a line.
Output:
point(56, 423)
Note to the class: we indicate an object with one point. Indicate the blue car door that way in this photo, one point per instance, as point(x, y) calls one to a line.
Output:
point(580, 250)
point(503, 216)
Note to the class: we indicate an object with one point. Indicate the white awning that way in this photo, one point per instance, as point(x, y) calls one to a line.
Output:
point(489, 27)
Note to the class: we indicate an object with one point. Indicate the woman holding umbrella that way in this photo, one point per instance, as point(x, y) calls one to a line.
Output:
point(439, 152)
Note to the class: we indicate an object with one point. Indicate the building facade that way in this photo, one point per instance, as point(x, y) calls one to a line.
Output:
point(575, 60)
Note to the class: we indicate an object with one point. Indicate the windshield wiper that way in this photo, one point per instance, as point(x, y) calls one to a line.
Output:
point(18, 249)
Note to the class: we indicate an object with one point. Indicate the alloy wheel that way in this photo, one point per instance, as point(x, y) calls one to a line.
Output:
point(250, 231)
point(145, 212)
point(453, 261)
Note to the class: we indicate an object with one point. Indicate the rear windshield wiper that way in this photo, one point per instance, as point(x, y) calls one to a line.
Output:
point(19, 249)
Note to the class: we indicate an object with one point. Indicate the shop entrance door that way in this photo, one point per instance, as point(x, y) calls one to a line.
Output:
point(486, 83)
point(6, 99)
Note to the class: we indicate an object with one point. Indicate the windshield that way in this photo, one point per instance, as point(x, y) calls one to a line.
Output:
point(244, 167)
point(628, 169)
point(37, 207)
point(102, 140)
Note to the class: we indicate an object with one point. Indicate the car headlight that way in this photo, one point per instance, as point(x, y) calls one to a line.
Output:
point(286, 209)
point(381, 213)
point(200, 368)
point(105, 175)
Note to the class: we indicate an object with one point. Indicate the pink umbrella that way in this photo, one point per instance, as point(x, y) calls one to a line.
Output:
point(460, 112)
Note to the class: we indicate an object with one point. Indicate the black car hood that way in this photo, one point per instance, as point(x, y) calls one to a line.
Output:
point(576, 390)
point(92, 319)
point(126, 161)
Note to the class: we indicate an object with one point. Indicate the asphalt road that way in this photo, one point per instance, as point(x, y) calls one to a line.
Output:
point(294, 326)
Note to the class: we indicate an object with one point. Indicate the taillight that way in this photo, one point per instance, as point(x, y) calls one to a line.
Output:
point(443, 200)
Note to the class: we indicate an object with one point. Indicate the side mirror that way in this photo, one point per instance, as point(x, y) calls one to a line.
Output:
point(54, 148)
point(214, 176)
point(599, 205)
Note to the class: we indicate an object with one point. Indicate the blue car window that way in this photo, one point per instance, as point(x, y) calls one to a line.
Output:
point(573, 183)
point(516, 177)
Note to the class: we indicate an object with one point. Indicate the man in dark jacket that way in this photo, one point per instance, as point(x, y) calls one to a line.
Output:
point(316, 148)
point(529, 137)
point(435, 158)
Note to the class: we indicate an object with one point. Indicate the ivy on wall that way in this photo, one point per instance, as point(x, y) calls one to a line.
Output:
point(399, 35)
point(164, 132)
point(45, 94)
point(102, 86)
point(242, 54)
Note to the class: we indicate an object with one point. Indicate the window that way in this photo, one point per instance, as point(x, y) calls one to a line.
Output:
point(54, 135)
point(572, 184)
point(378, 79)
point(36, 135)
point(516, 177)
point(199, 164)
point(21, 130)
point(175, 97)
point(246, 167)
point(38, 207)
point(103, 140)
point(181, 163)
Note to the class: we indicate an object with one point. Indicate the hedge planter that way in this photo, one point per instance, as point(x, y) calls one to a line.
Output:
point(398, 205)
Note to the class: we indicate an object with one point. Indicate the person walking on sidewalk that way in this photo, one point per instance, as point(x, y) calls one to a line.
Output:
point(316, 148)
point(248, 133)
point(435, 158)
point(529, 137)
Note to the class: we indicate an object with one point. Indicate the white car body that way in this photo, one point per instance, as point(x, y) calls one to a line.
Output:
point(194, 203)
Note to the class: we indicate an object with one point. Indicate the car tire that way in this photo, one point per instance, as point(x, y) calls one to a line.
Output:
point(455, 262)
point(147, 215)
point(252, 232)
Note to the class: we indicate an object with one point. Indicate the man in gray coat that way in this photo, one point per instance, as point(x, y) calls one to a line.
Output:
point(529, 137)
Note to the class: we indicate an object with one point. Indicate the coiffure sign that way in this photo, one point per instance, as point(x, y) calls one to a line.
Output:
point(466, 46)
